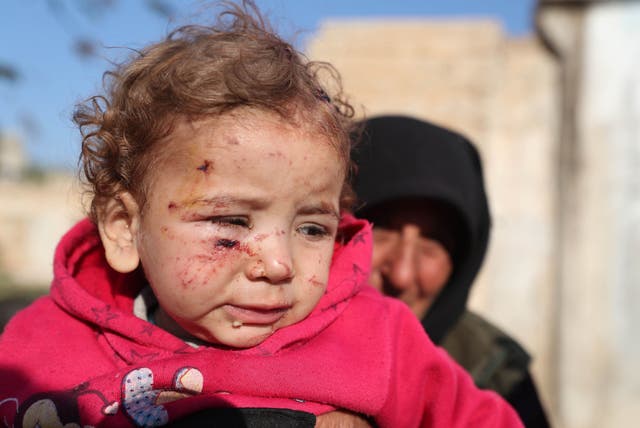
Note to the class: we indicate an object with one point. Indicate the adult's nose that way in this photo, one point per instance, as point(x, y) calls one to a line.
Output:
point(273, 260)
point(402, 269)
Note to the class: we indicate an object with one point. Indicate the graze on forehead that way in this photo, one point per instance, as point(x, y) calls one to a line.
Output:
point(205, 166)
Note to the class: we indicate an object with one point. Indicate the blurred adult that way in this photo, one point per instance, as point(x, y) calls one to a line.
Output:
point(422, 188)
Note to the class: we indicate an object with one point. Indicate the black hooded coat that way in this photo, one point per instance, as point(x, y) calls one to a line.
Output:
point(400, 157)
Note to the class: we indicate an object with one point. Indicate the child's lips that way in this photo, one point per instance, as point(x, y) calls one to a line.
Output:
point(255, 315)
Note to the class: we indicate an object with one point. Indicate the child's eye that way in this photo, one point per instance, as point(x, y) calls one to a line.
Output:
point(314, 231)
point(228, 221)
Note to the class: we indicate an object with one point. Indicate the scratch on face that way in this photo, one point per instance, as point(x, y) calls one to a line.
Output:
point(217, 253)
point(313, 281)
point(221, 245)
point(192, 274)
point(260, 237)
point(206, 166)
point(196, 270)
point(167, 232)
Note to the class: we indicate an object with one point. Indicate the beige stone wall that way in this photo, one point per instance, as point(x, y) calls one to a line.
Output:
point(33, 217)
point(503, 94)
point(519, 282)
point(13, 159)
point(439, 70)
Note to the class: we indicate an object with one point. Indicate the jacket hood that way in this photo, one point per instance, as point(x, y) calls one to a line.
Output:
point(85, 286)
point(402, 157)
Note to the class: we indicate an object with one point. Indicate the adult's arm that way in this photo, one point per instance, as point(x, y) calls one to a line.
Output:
point(426, 377)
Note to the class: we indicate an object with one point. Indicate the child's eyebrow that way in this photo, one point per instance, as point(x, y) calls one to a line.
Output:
point(222, 201)
point(319, 208)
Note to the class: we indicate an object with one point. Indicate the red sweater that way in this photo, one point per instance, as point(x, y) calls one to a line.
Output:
point(81, 355)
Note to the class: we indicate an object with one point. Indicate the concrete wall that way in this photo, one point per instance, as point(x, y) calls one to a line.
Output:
point(598, 359)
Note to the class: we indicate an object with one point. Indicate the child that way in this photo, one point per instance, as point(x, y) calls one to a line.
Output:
point(219, 268)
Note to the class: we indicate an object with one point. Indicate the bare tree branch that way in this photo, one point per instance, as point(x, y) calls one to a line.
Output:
point(9, 73)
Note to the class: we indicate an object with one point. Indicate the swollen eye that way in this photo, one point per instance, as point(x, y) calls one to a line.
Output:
point(317, 231)
point(237, 221)
point(226, 243)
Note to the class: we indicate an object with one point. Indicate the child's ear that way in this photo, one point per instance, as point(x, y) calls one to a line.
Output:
point(118, 224)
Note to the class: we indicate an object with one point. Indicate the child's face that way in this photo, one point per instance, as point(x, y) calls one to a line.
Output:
point(238, 234)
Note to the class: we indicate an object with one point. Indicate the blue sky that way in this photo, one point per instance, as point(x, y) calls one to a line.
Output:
point(37, 39)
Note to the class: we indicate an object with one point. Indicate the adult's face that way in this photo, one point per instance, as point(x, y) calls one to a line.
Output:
point(409, 263)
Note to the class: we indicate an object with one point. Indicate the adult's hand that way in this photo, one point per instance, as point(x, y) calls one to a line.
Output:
point(341, 419)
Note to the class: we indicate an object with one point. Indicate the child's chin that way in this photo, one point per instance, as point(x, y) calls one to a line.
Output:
point(245, 336)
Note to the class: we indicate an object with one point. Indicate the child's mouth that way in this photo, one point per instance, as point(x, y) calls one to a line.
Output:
point(248, 315)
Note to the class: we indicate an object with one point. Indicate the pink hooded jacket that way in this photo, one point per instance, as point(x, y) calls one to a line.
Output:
point(81, 356)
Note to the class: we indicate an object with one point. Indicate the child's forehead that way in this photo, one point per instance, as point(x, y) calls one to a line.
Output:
point(253, 159)
point(241, 126)
point(238, 137)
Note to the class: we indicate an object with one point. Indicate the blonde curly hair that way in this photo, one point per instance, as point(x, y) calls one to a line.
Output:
point(195, 72)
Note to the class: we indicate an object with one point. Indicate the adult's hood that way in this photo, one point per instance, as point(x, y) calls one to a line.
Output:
point(401, 157)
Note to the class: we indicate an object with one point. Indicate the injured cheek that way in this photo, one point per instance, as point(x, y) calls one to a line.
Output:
point(315, 282)
point(215, 253)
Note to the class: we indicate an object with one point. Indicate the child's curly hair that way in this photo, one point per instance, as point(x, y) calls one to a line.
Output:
point(195, 72)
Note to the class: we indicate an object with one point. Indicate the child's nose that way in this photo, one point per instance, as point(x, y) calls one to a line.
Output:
point(273, 261)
